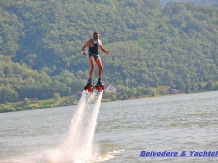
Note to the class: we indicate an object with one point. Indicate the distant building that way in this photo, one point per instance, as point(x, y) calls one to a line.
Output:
point(173, 91)
point(109, 88)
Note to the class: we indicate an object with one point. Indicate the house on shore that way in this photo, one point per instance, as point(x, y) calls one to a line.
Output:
point(173, 91)
point(109, 88)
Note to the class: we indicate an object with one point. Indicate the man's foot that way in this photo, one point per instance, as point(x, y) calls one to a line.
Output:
point(99, 81)
point(89, 82)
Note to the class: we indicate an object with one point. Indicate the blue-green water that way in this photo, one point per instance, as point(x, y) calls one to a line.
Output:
point(177, 123)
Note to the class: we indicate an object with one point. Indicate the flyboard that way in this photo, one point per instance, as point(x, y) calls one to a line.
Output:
point(94, 88)
point(79, 145)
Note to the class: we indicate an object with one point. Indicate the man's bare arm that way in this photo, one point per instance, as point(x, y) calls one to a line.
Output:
point(84, 47)
point(104, 50)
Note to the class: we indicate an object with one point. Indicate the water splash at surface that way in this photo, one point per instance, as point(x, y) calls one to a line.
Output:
point(78, 146)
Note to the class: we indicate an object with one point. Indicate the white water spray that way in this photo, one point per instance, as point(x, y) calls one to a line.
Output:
point(78, 146)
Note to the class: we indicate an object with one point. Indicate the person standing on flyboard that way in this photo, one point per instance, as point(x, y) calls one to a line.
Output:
point(94, 45)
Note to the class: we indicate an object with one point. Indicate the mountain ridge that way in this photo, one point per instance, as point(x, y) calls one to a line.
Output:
point(149, 45)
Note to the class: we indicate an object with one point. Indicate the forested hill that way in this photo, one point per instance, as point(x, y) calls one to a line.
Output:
point(41, 44)
point(213, 3)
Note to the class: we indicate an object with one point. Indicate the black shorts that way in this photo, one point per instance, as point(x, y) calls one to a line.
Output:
point(96, 56)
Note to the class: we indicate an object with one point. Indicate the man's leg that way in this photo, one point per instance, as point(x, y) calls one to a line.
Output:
point(92, 64)
point(100, 69)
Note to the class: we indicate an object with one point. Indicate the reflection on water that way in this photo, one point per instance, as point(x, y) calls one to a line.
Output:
point(125, 128)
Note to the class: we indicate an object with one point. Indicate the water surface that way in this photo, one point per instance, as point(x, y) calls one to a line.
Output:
point(177, 123)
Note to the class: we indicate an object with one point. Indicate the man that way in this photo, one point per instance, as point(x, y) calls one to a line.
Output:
point(94, 45)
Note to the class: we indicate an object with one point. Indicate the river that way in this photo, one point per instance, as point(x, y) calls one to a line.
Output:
point(186, 123)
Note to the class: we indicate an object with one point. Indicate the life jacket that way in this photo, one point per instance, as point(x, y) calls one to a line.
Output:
point(95, 48)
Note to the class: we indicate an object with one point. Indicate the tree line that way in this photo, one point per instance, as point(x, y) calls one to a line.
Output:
point(150, 45)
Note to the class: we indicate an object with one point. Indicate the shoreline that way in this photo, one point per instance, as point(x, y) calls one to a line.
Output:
point(10, 107)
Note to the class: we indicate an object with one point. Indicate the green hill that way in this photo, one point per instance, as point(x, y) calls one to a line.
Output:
point(149, 45)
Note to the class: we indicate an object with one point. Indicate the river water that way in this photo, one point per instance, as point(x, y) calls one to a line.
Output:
point(125, 129)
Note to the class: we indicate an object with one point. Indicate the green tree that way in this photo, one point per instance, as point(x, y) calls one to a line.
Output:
point(26, 101)
point(56, 96)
